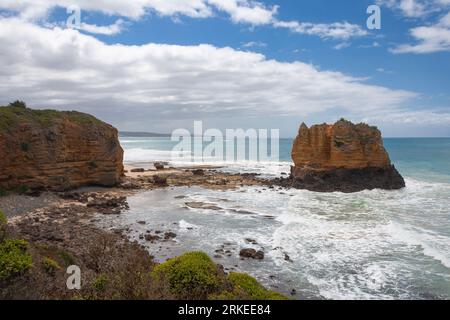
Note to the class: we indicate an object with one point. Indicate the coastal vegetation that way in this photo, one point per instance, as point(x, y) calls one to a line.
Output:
point(17, 113)
point(113, 268)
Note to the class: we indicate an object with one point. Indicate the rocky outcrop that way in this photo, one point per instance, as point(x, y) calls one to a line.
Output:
point(47, 149)
point(342, 157)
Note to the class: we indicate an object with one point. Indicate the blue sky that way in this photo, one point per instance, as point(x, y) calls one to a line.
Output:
point(159, 65)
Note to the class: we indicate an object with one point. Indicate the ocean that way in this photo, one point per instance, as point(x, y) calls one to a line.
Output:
point(367, 245)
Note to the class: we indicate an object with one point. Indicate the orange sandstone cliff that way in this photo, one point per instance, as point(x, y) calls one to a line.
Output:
point(51, 150)
point(342, 157)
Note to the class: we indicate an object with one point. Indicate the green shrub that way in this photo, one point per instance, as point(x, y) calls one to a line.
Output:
point(67, 258)
point(3, 226)
point(14, 259)
point(3, 192)
point(100, 282)
point(50, 266)
point(192, 275)
point(247, 288)
point(18, 104)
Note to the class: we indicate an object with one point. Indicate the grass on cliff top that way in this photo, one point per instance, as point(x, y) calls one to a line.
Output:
point(11, 117)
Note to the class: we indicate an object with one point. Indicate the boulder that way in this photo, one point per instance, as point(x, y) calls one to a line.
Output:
point(251, 253)
point(158, 165)
point(342, 157)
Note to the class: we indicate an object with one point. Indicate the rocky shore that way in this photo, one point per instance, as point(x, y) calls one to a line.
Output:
point(61, 227)
point(62, 173)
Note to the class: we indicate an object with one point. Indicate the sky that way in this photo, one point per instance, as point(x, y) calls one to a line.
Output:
point(160, 65)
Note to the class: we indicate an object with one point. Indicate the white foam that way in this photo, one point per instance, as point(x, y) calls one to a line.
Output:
point(184, 225)
point(433, 245)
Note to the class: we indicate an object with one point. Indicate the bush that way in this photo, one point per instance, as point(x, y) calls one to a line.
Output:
point(244, 287)
point(251, 287)
point(14, 259)
point(100, 283)
point(66, 257)
point(50, 266)
point(18, 104)
point(190, 276)
point(3, 226)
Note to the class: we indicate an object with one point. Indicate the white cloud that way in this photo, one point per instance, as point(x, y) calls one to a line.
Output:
point(434, 38)
point(374, 44)
point(250, 12)
point(112, 29)
point(245, 11)
point(338, 30)
point(342, 45)
point(64, 68)
point(382, 70)
point(254, 44)
point(415, 8)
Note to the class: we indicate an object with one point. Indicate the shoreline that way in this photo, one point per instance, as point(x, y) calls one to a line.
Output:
point(55, 222)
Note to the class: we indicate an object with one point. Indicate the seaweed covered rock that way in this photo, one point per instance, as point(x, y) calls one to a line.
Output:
point(48, 149)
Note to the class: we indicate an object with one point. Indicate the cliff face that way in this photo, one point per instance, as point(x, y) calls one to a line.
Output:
point(342, 157)
point(342, 145)
point(46, 149)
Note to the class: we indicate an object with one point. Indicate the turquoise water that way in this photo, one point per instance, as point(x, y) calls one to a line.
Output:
point(367, 245)
point(427, 159)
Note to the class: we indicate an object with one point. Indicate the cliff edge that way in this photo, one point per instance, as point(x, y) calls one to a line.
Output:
point(342, 157)
point(53, 150)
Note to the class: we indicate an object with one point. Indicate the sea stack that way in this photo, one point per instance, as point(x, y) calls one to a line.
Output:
point(342, 157)
point(52, 150)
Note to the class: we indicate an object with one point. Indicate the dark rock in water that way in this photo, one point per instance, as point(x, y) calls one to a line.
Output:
point(160, 180)
point(158, 165)
point(252, 241)
point(137, 170)
point(202, 205)
point(251, 253)
point(198, 172)
point(152, 238)
point(341, 157)
point(346, 180)
point(287, 258)
point(169, 235)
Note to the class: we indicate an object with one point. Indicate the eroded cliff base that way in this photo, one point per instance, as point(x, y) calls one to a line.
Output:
point(344, 180)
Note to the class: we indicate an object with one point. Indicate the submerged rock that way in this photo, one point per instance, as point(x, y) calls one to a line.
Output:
point(341, 157)
point(251, 253)
point(202, 205)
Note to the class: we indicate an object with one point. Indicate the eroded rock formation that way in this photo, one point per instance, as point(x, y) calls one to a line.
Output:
point(47, 149)
point(342, 157)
